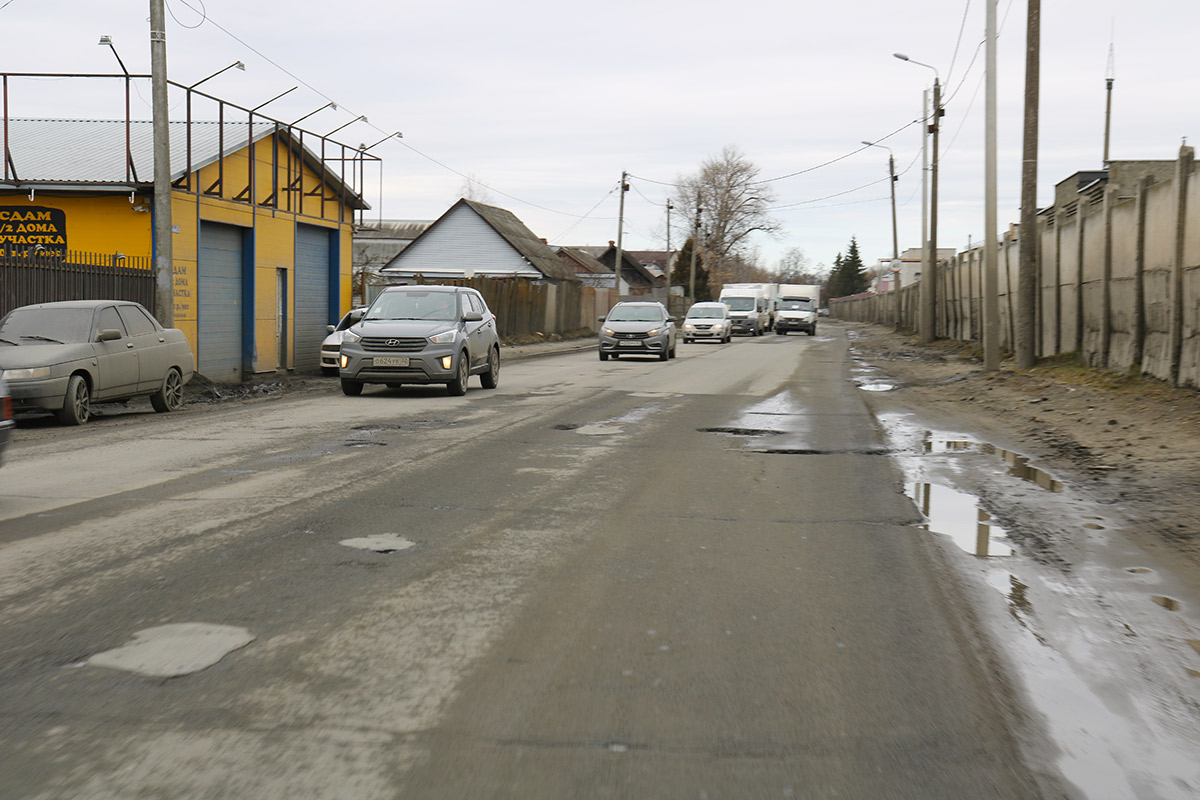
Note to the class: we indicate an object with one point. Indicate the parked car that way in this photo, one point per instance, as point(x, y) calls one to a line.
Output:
point(62, 357)
point(332, 346)
point(422, 334)
point(708, 321)
point(6, 418)
point(637, 328)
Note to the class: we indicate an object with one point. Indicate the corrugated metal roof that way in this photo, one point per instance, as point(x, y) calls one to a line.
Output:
point(537, 252)
point(92, 152)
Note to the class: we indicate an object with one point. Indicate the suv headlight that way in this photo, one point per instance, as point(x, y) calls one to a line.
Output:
point(350, 336)
point(27, 374)
point(654, 331)
point(445, 337)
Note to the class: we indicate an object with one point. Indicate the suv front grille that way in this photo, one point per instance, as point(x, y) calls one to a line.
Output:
point(393, 344)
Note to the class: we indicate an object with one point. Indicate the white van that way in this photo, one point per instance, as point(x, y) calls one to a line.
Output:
point(749, 308)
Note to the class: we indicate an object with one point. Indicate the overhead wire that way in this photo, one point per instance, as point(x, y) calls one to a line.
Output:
point(207, 18)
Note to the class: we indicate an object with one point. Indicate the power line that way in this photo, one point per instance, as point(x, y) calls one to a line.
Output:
point(208, 18)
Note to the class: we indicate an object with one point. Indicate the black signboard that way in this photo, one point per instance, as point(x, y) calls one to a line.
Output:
point(33, 229)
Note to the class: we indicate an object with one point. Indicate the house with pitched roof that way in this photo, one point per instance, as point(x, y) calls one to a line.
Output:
point(475, 240)
point(262, 216)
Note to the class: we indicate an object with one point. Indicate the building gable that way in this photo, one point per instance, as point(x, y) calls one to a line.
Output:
point(461, 244)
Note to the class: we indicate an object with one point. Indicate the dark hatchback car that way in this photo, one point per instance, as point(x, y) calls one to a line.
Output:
point(422, 334)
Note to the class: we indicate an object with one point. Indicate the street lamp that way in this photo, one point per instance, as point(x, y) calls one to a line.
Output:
point(360, 117)
point(330, 104)
point(362, 148)
point(276, 97)
point(892, 175)
point(929, 284)
point(237, 64)
point(107, 40)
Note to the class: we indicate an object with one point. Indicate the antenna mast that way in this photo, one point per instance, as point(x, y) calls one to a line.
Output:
point(1109, 76)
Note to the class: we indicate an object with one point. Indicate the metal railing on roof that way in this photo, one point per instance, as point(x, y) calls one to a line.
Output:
point(343, 169)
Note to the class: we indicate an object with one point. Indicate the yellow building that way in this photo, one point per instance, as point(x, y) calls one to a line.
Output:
point(262, 221)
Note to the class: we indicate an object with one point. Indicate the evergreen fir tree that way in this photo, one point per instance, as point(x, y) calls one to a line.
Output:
point(681, 274)
point(848, 276)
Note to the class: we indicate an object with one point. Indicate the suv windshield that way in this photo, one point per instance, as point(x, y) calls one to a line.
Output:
point(635, 314)
point(415, 305)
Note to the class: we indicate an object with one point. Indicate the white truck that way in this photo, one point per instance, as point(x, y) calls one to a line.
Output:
point(797, 308)
point(750, 308)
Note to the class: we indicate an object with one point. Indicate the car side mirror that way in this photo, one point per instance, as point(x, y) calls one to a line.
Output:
point(472, 316)
point(108, 334)
point(330, 328)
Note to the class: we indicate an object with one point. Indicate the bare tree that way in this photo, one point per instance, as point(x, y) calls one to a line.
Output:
point(795, 267)
point(734, 205)
point(474, 189)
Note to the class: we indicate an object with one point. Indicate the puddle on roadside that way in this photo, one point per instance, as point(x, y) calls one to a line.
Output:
point(877, 387)
point(1018, 465)
point(959, 516)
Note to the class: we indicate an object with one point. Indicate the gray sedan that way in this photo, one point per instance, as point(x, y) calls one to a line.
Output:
point(62, 357)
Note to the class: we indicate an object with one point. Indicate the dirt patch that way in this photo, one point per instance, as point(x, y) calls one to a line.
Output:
point(1124, 439)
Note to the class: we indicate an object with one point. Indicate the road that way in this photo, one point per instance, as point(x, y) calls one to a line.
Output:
point(697, 578)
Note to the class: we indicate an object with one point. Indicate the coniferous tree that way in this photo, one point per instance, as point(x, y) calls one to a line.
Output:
point(681, 274)
point(848, 276)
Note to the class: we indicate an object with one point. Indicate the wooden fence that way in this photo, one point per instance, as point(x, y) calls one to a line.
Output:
point(526, 309)
point(28, 278)
point(1118, 275)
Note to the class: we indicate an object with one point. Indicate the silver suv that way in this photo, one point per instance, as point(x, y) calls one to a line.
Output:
point(422, 334)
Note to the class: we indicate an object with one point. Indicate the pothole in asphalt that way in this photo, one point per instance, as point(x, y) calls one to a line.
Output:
point(741, 431)
point(364, 443)
point(1138, 570)
point(567, 426)
point(380, 543)
point(1169, 603)
point(169, 651)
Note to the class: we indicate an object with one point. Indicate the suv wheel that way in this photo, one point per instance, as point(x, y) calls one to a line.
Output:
point(491, 378)
point(351, 388)
point(458, 386)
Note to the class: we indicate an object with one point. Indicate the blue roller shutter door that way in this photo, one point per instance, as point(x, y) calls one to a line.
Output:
point(220, 308)
point(312, 295)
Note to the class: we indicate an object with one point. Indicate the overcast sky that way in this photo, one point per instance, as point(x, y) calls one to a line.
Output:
point(545, 103)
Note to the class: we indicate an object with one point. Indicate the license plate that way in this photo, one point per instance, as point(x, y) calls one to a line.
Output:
point(631, 344)
point(390, 361)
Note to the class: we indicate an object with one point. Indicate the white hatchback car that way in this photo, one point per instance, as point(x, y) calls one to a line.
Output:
point(332, 346)
point(708, 321)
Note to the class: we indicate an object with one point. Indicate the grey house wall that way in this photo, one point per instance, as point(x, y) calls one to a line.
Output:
point(1118, 279)
point(461, 245)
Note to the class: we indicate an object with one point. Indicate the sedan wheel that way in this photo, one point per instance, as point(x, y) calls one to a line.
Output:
point(169, 396)
point(77, 405)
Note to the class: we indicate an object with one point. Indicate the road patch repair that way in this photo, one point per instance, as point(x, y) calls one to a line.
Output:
point(380, 543)
point(170, 651)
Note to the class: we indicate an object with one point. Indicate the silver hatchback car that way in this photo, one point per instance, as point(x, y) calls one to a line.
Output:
point(422, 334)
point(637, 328)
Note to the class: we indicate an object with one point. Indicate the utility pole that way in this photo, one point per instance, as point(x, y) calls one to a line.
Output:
point(1027, 277)
point(1109, 76)
point(620, 231)
point(164, 261)
point(991, 280)
point(695, 247)
point(929, 283)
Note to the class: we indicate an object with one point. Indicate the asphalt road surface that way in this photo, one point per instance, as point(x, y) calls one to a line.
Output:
point(635, 579)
